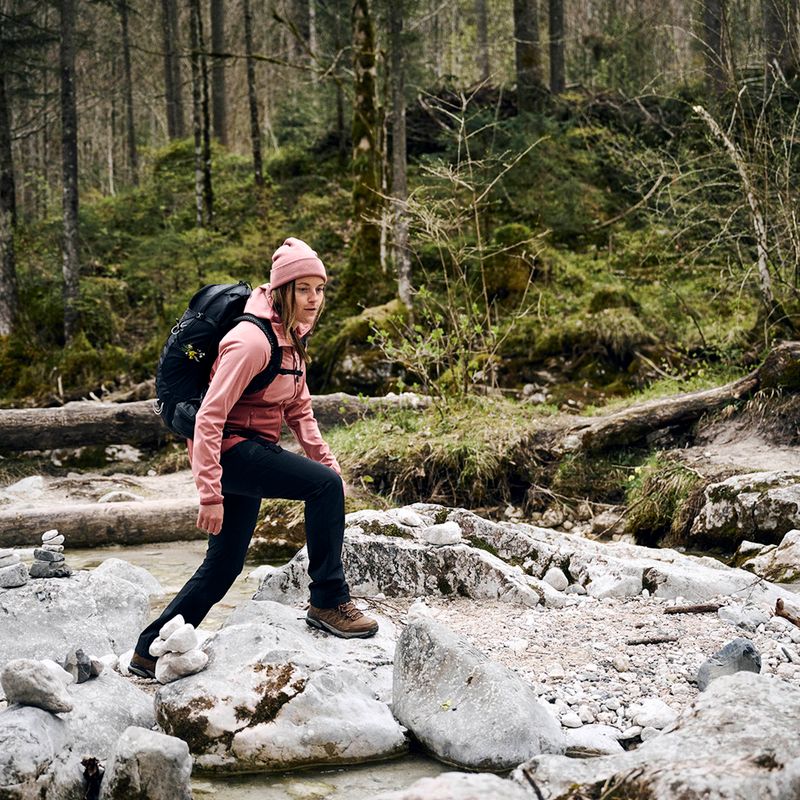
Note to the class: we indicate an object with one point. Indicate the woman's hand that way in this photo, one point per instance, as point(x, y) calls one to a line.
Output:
point(209, 518)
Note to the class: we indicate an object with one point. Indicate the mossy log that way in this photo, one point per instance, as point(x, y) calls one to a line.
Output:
point(90, 423)
point(780, 370)
point(96, 524)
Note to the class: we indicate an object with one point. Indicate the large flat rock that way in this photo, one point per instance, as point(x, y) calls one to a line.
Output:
point(101, 611)
point(737, 741)
point(467, 710)
point(278, 694)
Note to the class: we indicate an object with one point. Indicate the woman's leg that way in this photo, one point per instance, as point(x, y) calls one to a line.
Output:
point(223, 562)
point(264, 469)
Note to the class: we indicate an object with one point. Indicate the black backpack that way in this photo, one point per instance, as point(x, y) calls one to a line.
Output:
point(185, 364)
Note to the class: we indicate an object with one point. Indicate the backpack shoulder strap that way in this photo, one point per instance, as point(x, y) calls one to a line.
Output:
point(273, 368)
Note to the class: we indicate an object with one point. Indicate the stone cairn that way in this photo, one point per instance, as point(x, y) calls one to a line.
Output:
point(177, 650)
point(13, 572)
point(49, 558)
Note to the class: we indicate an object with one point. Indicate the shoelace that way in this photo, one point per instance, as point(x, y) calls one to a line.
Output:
point(350, 611)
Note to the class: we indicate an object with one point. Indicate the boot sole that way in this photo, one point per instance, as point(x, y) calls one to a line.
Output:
point(323, 626)
point(141, 672)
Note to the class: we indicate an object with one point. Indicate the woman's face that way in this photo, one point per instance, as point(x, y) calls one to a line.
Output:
point(308, 294)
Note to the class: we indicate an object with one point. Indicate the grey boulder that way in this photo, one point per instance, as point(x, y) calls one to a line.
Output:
point(740, 654)
point(735, 742)
point(781, 563)
point(277, 694)
point(13, 575)
point(465, 709)
point(100, 611)
point(148, 765)
point(40, 753)
point(33, 683)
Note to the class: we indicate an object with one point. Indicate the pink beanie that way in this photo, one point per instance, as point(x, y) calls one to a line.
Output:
point(295, 259)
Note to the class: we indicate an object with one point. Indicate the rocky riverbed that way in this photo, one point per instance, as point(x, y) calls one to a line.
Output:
point(502, 646)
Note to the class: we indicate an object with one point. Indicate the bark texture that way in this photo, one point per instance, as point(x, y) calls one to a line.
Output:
point(8, 269)
point(218, 92)
point(252, 97)
point(558, 78)
point(528, 56)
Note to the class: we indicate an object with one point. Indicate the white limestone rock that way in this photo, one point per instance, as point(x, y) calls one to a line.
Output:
point(119, 496)
point(138, 576)
point(732, 743)
point(781, 563)
point(592, 740)
point(456, 701)
point(174, 665)
point(556, 578)
point(13, 576)
point(45, 617)
point(397, 566)
point(157, 765)
point(182, 640)
point(170, 627)
point(277, 694)
point(33, 683)
point(445, 533)
point(652, 712)
point(40, 752)
point(759, 506)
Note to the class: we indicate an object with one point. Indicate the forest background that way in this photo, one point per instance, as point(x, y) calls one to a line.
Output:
point(523, 206)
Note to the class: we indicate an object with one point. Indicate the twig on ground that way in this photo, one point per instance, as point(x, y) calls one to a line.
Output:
point(707, 608)
point(659, 638)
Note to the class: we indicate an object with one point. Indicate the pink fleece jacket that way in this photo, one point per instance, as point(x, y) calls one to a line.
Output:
point(244, 352)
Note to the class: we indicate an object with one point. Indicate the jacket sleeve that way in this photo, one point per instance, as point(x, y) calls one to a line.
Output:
point(238, 363)
point(300, 418)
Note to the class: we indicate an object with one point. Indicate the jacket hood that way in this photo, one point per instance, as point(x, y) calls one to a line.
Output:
point(260, 304)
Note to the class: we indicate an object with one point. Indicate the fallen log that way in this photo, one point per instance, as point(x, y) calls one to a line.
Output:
point(632, 425)
point(96, 524)
point(83, 423)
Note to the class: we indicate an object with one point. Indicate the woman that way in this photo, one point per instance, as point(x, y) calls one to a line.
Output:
point(233, 472)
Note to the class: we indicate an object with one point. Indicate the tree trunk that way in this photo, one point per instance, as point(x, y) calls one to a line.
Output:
point(252, 98)
point(556, 25)
point(69, 162)
point(208, 193)
point(197, 112)
point(632, 425)
point(133, 156)
point(714, 46)
point(780, 40)
point(482, 37)
point(528, 55)
point(301, 19)
point(89, 423)
point(173, 89)
point(402, 256)
point(341, 132)
point(358, 285)
point(8, 215)
point(96, 524)
point(218, 71)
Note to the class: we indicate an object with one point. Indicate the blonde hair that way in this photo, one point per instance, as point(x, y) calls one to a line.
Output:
point(283, 301)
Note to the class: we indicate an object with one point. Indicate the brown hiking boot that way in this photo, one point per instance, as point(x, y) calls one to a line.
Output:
point(345, 621)
point(142, 667)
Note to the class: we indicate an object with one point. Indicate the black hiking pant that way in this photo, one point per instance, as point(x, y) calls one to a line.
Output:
point(251, 470)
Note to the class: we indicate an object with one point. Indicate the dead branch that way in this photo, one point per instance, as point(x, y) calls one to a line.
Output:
point(708, 608)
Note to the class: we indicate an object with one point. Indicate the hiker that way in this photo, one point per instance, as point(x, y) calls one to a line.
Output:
point(236, 459)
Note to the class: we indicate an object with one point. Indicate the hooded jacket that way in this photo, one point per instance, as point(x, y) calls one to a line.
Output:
point(244, 352)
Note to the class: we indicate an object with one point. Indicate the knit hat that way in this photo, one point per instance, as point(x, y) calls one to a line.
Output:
point(295, 259)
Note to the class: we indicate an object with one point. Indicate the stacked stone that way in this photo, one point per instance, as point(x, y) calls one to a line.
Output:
point(49, 558)
point(177, 650)
point(13, 572)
